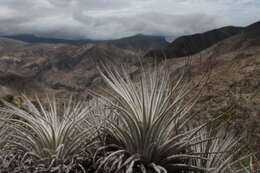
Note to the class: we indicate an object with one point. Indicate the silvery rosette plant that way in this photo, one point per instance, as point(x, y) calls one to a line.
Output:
point(152, 129)
point(51, 130)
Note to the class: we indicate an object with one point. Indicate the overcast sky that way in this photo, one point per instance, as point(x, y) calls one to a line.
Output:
point(108, 19)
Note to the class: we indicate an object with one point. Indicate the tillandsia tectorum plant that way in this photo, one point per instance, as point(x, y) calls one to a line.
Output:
point(225, 150)
point(151, 132)
point(152, 129)
point(51, 130)
point(4, 130)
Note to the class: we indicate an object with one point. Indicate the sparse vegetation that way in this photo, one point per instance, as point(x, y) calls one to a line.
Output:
point(50, 132)
point(142, 126)
point(154, 131)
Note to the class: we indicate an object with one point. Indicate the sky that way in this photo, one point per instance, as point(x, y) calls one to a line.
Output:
point(112, 19)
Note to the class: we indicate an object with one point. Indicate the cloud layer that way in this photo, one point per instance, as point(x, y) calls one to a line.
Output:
point(108, 19)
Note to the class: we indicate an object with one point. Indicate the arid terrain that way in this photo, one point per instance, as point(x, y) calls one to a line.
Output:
point(233, 55)
point(129, 86)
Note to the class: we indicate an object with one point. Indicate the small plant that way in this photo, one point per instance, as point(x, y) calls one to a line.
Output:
point(5, 131)
point(224, 150)
point(51, 131)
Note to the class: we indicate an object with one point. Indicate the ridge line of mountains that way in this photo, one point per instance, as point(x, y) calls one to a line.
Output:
point(26, 66)
point(136, 42)
point(191, 44)
point(154, 46)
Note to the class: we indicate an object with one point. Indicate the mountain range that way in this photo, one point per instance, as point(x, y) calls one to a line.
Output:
point(190, 44)
point(136, 42)
point(61, 64)
point(232, 53)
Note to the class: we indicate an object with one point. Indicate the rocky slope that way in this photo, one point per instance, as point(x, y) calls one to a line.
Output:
point(234, 81)
point(30, 67)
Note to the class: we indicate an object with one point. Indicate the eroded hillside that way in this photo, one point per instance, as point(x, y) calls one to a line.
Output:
point(234, 80)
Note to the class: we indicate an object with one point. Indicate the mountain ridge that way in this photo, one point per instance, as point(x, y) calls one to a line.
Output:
point(190, 44)
point(136, 42)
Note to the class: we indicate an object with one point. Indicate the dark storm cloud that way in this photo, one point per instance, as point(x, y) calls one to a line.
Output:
point(103, 19)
